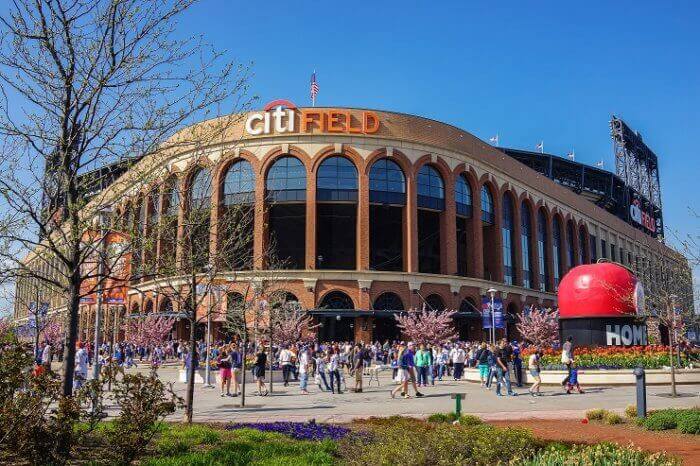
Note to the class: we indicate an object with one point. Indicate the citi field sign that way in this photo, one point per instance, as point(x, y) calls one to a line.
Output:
point(282, 116)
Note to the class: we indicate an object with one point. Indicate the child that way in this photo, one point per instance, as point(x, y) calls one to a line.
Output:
point(573, 381)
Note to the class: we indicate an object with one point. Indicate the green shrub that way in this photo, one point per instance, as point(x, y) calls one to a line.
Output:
point(631, 411)
point(664, 419)
point(689, 422)
point(612, 418)
point(442, 417)
point(595, 414)
point(470, 420)
point(600, 454)
point(411, 442)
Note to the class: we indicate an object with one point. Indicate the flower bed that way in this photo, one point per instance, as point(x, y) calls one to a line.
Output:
point(297, 430)
point(613, 357)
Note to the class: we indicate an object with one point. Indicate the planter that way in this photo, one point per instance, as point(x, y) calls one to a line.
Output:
point(604, 377)
point(199, 376)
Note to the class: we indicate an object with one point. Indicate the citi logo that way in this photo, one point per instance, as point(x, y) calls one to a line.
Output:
point(280, 116)
point(283, 116)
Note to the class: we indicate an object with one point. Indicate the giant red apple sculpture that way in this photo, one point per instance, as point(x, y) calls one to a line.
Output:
point(599, 290)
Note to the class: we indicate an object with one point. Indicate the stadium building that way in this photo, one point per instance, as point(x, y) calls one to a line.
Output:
point(375, 212)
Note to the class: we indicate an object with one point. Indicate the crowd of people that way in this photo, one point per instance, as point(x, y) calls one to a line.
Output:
point(329, 365)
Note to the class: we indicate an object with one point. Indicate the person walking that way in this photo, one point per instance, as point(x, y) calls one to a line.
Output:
point(258, 371)
point(422, 361)
point(285, 361)
point(334, 369)
point(47, 356)
point(458, 358)
point(502, 371)
point(482, 362)
point(567, 357)
point(304, 363)
point(517, 364)
point(81, 366)
point(236, 365)
point(358, 366)
point(533, 365)
point(321, 372)
point(225, 363)
point(442, 359)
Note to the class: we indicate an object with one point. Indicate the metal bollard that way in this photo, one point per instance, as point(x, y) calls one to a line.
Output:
point(641, 392)
point(458, 403)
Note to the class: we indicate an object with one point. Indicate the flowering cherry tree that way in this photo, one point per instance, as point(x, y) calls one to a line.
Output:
point(289, 325)
point(148, 331)
point(52, 332)
point(427, 326)
point(5, 326)
point(540, 327)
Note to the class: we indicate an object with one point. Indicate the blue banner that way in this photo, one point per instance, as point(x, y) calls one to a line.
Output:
point(497, 320)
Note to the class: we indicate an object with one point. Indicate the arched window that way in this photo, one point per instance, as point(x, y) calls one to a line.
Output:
point(286, 190)
point(388, 301)
point(434, 303)
point(525, 236)
point(168, 228)
point(468, 305)
point(135, 309)
point(166, 306)
point(200, 191)
point(582, 242)
point(487, 210)
point(236, 227)
point(431, 189)
point(153, 208)
point(387, 183)
point(543, 253)
point(556, 251)
point(571, 250)
point(463, 196)
point(336, 214)
point(508, 232)
point(336, 180)
point(239, 184)
point(148, 308)
point(387, 197)
point(198, 222)
point(337, 300)
point(286, 180)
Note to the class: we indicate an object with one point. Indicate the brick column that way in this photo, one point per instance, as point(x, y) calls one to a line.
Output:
point(310, 220)
point(410, 231)
point(216, 211)
point(549, 247)
point(518, 277)
point(260, 240)
point(184, 201)
point(362, 239)
point(534, 251)
point(448, 231)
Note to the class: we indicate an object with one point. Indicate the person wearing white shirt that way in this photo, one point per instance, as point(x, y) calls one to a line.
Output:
point(46, 355)
point(285, 360)
point(304, 370)
point(458, 356)
point(333, 371)
point(81, 367)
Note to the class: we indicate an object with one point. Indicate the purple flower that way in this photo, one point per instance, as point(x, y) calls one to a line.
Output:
point(296, 430)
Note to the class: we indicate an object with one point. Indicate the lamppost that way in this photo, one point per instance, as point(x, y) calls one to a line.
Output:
point(492, 292)
point(103, 220)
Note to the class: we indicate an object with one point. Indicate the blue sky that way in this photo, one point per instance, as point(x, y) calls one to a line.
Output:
point(529, 71)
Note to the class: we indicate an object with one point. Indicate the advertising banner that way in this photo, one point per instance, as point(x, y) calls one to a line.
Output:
point(487, 321)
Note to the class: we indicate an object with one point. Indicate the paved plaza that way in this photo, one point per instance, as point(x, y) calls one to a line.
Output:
point(286, 403)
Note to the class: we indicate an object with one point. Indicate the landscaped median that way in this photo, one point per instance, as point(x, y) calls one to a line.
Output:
point(385, 441)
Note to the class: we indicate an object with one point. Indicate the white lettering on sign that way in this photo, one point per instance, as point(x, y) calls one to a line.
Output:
point(283, 121)
point(641, 217)
point(626, 335)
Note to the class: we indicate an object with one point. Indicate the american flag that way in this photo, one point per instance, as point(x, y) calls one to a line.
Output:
point(314, 88)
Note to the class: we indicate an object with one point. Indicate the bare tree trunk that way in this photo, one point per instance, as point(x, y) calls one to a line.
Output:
point(189, 397)
point(673, 372)
point(71, 334)
point(243, 367)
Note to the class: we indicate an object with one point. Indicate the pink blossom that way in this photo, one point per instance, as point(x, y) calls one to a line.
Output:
point(52, 331)
point(149, 331)
point(540, 327)
point(289, 325)
point(428, 327)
